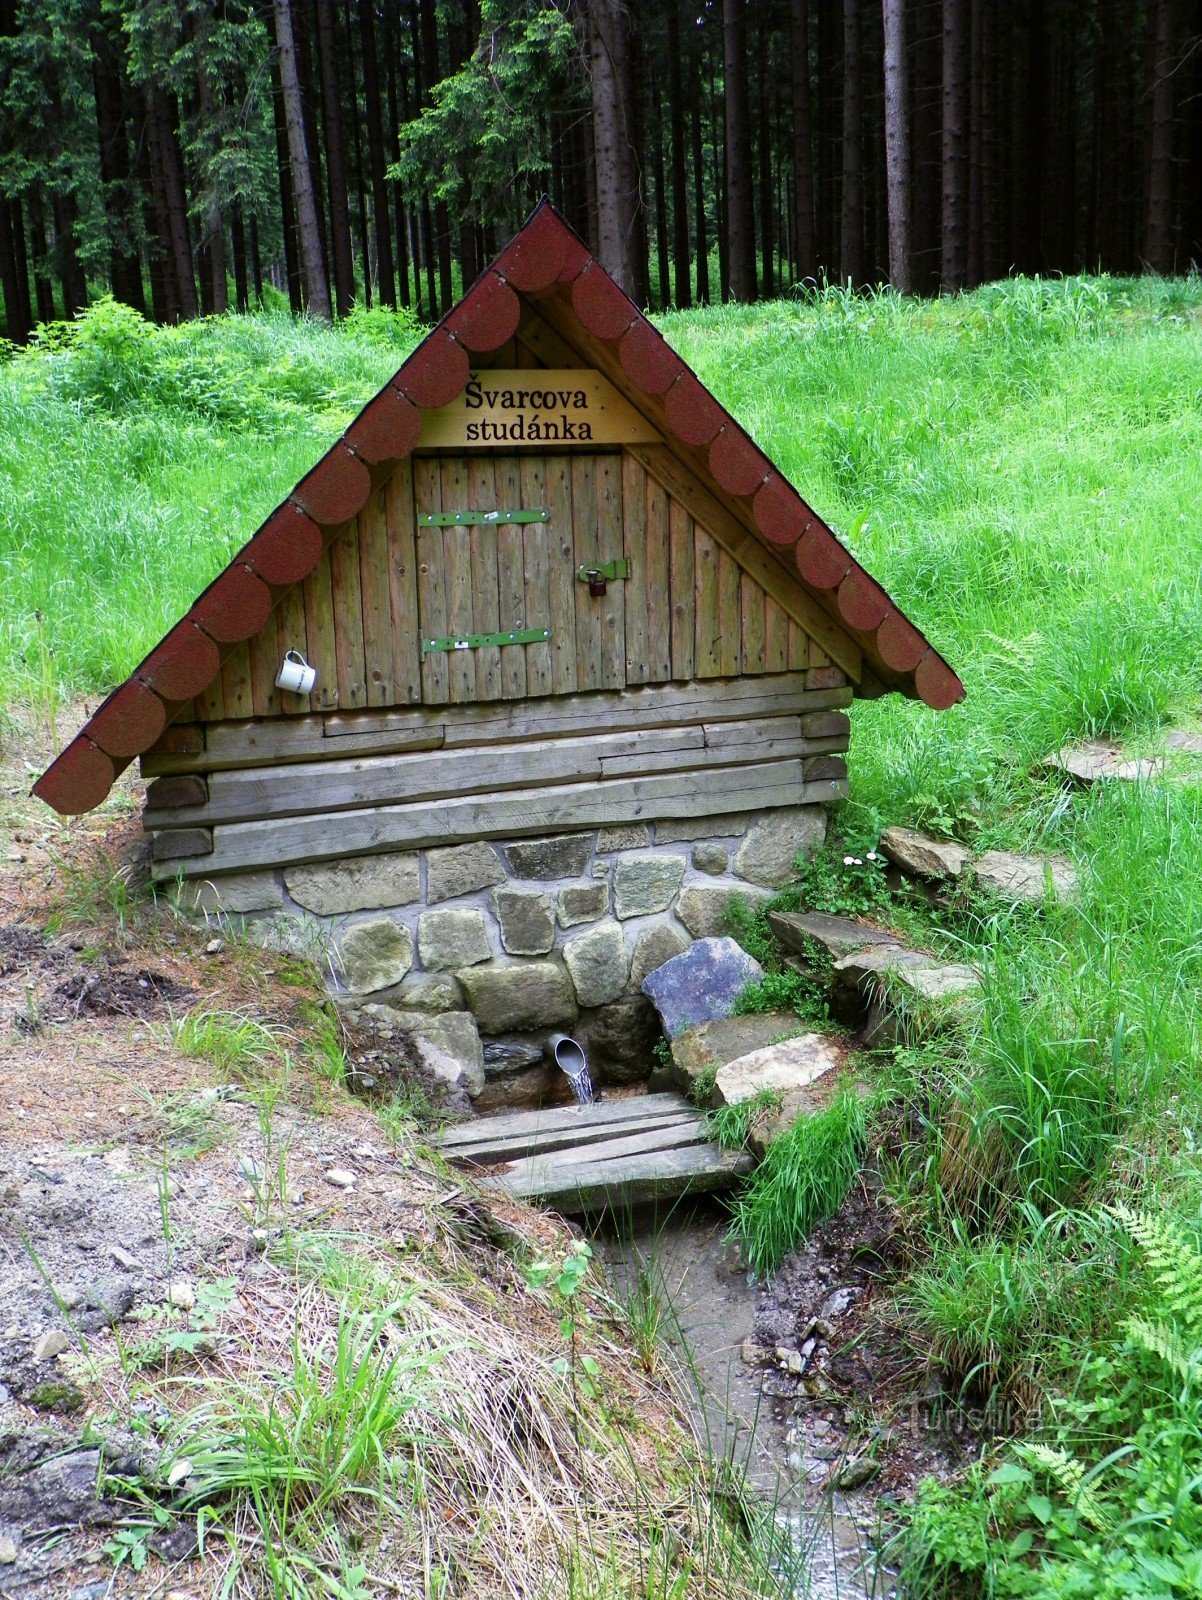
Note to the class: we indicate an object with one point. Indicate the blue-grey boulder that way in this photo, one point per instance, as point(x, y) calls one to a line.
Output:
point(700, 985)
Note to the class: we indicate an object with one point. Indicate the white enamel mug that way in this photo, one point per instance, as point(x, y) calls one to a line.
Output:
point(295, 674)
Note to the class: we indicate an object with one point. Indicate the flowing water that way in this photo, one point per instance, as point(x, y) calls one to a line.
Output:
point(711, 1301)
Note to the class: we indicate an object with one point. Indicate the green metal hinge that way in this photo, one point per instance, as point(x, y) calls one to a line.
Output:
point(611, 571)
point(477, 641)
point(464, 519)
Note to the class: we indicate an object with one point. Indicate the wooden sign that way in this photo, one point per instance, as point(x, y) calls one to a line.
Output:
point(506, 408)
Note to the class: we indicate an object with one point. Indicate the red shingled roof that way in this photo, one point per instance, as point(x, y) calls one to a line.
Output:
point(547, 263)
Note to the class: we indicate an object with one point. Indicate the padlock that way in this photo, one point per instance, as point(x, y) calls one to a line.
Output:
point(596, 583)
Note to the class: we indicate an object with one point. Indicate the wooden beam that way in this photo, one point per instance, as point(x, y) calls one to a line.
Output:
point(628, 1181)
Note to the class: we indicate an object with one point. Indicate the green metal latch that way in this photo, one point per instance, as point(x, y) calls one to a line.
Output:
point(611, 571)
point(478, 641)
point(464, 519)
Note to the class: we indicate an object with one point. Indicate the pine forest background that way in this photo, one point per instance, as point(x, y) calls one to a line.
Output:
point(190, 156)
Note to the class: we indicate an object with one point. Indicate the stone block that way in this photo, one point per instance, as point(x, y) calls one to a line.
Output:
point(1030, 878)
point(291, 935)
point(565, 855)
point(783, 1067)
point(711, 858)
point(708, 1047)
point(701, 984)
point(598, 964)
point(461, 869)
point(233, 892)
point(527, 921)
point(503, 1057)
point(448, 1045)
point(357, 883)
point(619, 1039)
point(645, 884)
point(512, 996)
point(730, 825)
point(448, 940)
point(429, 992)
point(922, 856)
point(768, 854)
point(582, 902)
point(625, 836)
point(703, 906)
point(374, 955)
point(803, 932)
point(654, 946)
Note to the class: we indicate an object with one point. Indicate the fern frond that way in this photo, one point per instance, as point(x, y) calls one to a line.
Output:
point(1176, 1267)
point(1068, 1475)
point(1163, 1341)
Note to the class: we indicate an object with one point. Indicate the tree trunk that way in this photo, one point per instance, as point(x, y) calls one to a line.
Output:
point(1158, 216)
point(976, 80)
point(897, 143)
point(955, 145)
point(682, 276)
point(164, 285)
point(365, 255)
point(740, 205)
point(16, 323)
point(313, 272)
point(617, 195)
point(331, 123)
point(767, 231)
point(43, 288)
point(214, 271)
point(164, 118)
point(71, 276)
point(256, 261)
point(125, 267)
point(805, 241)
point(287, 196)
point(385, 270)
point(238, 250)
point(701, 231)
point(851, 215)
point(397, 108)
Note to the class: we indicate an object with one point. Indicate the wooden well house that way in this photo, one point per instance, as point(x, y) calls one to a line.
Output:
point(582, 662)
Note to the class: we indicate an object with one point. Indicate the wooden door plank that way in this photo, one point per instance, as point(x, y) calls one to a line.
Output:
point(707, 654)
point(658, 585)
point(776, 637)
point(682, 591)
point(511, 583)
point(346, 586)
point(431, 582)
point(402, 586)
point(587, 553)
point(292, 634)
point(634, 527)
point(376, 602)
point(536, 568)
point(751, 624)
point(264, 664)
point(457, 555)
point(729, 628)
point(482, 496)
point(799, 648)
point(609, 544)
point(561, 579)
point(319, 628)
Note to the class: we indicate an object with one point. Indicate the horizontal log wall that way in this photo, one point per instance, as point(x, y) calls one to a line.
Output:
point(668, 752)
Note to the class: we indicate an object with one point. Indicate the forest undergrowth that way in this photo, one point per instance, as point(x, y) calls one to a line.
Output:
point(1022, 469)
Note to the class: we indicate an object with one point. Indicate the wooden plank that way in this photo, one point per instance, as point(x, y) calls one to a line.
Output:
point(536, 571)
point(488, 1149)
point(729, 629)
point(319, 631)
point(776, 637)
point(402, 586)
point(542, 810)
point(751, 555)
point(706, 649)
point(799, 648)
point(561, 584)
point(376, 601)
point(346, 589)
point(542, 1166)
point(248, 744)
point(587, 553)
point(482, 496)
point(751, 624)
point(635, 1180)
point(329, 786)
point(431, 582)
point(610, 546)
point(291, 634)
point(502, 400)
point(457, 566)
point(511, 583)
point(210, 703)
point(658, 585)
point(634, 525)
point(235, 682)
point(602, 1113)
point(265, 661)
point(681, 590)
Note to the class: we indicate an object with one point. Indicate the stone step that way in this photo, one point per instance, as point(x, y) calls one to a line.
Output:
point(799, 931)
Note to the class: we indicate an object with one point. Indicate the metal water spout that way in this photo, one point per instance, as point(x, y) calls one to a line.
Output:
point(573, 1063)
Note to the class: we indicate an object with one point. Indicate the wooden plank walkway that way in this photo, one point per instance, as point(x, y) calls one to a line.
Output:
point(609, 1155)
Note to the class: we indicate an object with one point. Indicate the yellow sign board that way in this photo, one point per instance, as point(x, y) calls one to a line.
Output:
point(508, 408)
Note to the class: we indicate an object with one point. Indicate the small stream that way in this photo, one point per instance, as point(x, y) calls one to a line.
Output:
point(712, 1311)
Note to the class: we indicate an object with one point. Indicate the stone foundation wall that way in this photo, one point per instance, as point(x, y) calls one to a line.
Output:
point(478, 951)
